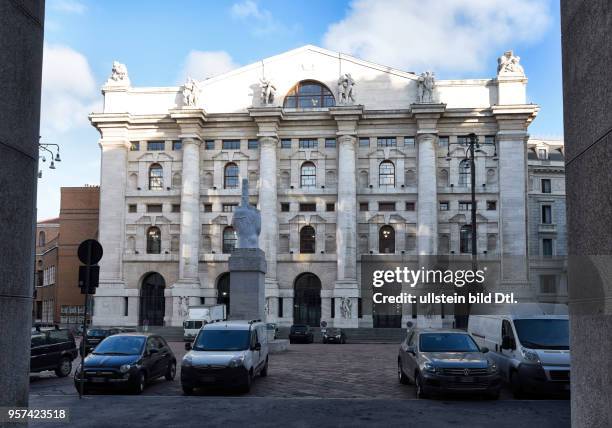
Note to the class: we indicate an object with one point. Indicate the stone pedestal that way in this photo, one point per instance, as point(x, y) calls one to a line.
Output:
point(247, 268)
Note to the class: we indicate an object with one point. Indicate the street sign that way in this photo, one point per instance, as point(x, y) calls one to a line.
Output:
point(88, 279)
point(90, 252)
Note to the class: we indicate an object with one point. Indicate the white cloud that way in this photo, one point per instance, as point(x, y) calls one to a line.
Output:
point(247, 9)
point(261, 21)
point(69, 91)
point(204, 64)
point(458, 35)
point(67, 6)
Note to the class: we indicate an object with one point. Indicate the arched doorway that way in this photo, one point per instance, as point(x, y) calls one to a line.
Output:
point(307, 300)
point(152, 300)
point(223, 291)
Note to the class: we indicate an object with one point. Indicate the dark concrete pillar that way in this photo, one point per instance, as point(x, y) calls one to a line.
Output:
point(587, 88)
point(21, 44)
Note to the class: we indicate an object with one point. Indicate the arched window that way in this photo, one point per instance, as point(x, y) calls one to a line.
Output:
point(307, 240)
point(153, 240)
point(386, 240)
point(464, 172)
point(156, 177)
point(230, 176)
point(386, 173)
point(41, 239)
point(229, 240)
point(465, 239)
point(308, 175)
point(309, 94)
point(207, 182)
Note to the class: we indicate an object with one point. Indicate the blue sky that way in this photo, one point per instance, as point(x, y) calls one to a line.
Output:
point(160, 41)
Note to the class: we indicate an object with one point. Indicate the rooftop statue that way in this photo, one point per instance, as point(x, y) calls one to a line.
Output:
point(268, 91)
point(119, 75)
point(346, 89)
point(427, 83)
point(509, 63)
point(191, 92)
point(247, 221)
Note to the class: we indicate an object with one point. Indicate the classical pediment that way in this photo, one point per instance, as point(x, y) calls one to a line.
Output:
point(297, 219)
point(307, 155)
point(221, 219)
point(155, 157)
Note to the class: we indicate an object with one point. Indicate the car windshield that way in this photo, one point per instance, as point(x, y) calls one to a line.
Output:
point(271, 326)
point(333, 331)
point(447, 342)
point(299, 328)
point(97, 333)
point(192, 324)
point(222, 340)
point(120, 345)
point(543, 333)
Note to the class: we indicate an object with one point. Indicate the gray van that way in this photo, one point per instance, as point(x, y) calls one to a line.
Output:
point(226, 354)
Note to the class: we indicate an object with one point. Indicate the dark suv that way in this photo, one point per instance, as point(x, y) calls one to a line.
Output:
point(301, 333)
point(52, 349)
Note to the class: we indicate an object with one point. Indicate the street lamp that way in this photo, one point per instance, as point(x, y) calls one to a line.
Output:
point(473, 146)
point(55, 156)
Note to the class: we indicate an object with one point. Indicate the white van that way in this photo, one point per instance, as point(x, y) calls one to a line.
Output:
point(530, 344)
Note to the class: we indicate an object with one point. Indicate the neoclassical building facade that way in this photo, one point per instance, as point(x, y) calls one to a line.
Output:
point(345, 158)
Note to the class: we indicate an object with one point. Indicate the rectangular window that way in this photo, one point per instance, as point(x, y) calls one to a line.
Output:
point(207, 208)
point(229, 208)
point(330, 207)
point(333, 307)
point(491, 205)
point(132, 208)
point(330, 143)
point(253, 144)
point(280, 307)
point(363, 206)
point(125, 306)
point(408, 141)
point(489, 139)
point(364, 142)
point(443, 205)
point(359, 308)
point(547, 247)
point(177, 145)
point(548, 284)
point(209, 145)
point(546, 185)
point(387, 142)
point(465, 206)
point(176, 208)
point(156, 146)
point(463, 139)
point(154, 208)
point(285, 207)
point(308, 143)
point(443, 141)
point(546, 214)
point(308, 207)
point(542, 155)
point(410, 206)
point(386, 206)
point(134, 146)
point(285, 143)
point(230, 144)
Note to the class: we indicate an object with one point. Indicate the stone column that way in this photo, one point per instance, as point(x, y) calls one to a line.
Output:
point(21, 41)
point(346, 286)
point(190, 214)
point(427, 204)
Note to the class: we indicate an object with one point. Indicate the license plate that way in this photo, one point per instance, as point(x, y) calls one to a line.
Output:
point(98, 379)
point(466, 379)
point(208, 378)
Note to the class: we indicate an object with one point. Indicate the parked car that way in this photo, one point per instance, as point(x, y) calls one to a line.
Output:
point(226, 354)
point(530, 346)
point(128, 360)
point(95, 335)
point(301, 333)
point(441, 361)
point(52, 349)
point(272, 330)
point(334, 335)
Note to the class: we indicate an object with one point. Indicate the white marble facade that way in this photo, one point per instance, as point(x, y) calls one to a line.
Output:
point(381, 121)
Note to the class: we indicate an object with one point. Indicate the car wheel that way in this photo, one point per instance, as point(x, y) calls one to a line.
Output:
point(171, 371)
point(324, 341)
point(515, 384)
point(420, 393)
point(64, 368)
point(187, 390)
point(140, 383)
point(290, 342)
point(342, 341)
point(403, 379)
point(246, 386)
point(264, 371)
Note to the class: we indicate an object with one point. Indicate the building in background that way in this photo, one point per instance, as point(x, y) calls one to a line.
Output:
point(345, 159)
point(58, 297)
point(547, 227)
